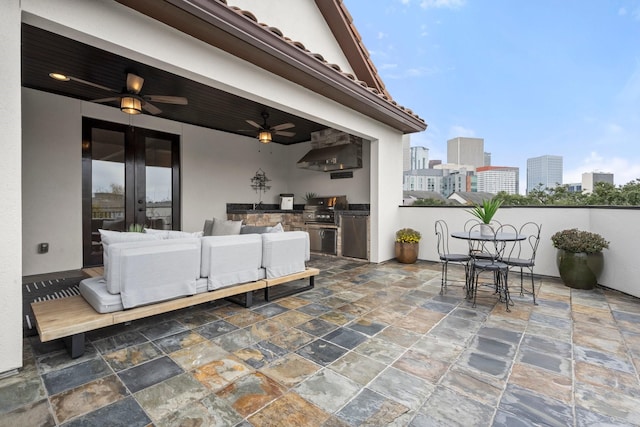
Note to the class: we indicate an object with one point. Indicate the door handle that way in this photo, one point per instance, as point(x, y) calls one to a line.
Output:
point(140, 209)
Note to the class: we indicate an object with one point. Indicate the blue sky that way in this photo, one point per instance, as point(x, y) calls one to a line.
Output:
point(558, 77)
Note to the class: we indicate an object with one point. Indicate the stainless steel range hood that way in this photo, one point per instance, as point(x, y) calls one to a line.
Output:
point(337, 157)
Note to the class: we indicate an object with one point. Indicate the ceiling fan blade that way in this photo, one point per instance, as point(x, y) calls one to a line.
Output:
point(284, 133)
point(113, 98)
point(96, 85)
point(134, 83)
point(178, 100)
point(151, 108)
point(252, 123)
point(283, 126)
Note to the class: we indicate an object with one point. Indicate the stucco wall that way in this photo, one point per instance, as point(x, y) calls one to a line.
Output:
point(10, 190)
point(619, 226)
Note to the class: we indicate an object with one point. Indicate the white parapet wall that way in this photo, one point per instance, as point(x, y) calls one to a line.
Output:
point(619, 225)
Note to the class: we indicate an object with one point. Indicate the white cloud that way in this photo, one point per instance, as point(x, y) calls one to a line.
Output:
point(624, 170)
point(382, 35)
point(388, 66)
point(405, 1)
point(456, 131)
point(622, 11)
point(442, 4)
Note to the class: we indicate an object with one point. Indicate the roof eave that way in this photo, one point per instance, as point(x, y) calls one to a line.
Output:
point(214, 23)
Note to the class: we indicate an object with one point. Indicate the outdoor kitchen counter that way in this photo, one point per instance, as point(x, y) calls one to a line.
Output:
point(291, 220)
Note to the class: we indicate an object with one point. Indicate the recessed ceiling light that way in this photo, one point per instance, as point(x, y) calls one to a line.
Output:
point(60, 77)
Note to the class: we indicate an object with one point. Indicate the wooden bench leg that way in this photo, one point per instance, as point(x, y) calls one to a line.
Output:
point(75, 345)
point(288, 292)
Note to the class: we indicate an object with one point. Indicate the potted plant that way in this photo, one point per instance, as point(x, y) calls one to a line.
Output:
point(407, 245)
point(579, 258)
point(485, 213)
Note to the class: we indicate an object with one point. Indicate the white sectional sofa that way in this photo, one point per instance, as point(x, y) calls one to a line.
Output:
point(146, 268)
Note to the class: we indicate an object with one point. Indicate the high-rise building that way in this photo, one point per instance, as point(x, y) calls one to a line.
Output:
point(433, 163)
point(544, 170)
point(574, 187)
point(494, 179)
point(589, 180)
point(423, 180)
point(466, 151)
point(419, 158)
point(487, 159)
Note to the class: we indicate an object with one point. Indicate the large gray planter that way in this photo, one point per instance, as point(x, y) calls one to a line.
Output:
point(580, 270)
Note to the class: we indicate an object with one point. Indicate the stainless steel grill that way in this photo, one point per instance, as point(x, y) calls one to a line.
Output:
point(321, 210)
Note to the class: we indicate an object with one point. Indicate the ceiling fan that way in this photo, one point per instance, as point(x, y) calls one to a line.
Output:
point(266, 131)
point(130, 99)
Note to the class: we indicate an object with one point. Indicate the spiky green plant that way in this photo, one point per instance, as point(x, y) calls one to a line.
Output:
point(486, 212)
point(136, 228)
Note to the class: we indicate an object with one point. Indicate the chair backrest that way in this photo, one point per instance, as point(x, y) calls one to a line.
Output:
point(528, 248)
point(489, 248)
point(470, 223)
point(509, 247)
point(442, 235)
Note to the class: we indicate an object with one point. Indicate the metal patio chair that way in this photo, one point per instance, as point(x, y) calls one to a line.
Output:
point(491, 262)
point(446, 257)
point(524, 255)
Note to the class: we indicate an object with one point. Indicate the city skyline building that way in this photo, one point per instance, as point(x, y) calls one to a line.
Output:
point(466, 151)
point(544, 170)
point(590, 179)
point(419, 158)
point(487, 159)
point(494, 179)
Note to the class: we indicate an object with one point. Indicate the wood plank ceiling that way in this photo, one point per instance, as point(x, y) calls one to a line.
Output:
point(44, 52)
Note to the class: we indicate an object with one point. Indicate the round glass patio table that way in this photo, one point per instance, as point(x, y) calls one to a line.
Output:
point(475, 235)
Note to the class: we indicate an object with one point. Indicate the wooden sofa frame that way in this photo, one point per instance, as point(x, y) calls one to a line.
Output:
point(69, 318)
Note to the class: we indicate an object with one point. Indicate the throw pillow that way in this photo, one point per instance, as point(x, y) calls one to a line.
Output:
point(255, 229)
point(208, 227)
point(172, 234)
point(277, 228)
point(224, 227)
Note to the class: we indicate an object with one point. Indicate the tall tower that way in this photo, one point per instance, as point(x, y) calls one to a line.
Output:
point(590, 179)
point(466, 151)
point(545, 170)
point(419, 158)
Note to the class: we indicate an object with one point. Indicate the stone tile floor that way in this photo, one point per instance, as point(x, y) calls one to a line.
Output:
point(373, 345)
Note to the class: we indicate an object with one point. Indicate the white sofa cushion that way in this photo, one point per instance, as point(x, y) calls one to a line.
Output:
point(163, 270)
point(229, 260)
point(115, 262)
point(172, 234)
point(285, 253)
point(108, 237)
point(94, 290)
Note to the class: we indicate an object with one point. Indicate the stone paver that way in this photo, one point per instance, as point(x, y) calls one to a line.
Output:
point(372, 344)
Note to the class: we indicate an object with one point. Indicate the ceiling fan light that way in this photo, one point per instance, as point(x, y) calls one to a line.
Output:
point(59, 77)
point(264, 136)
point(130, 105)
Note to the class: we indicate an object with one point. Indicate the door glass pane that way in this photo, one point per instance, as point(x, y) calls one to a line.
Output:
point(107, 184)
point(158, 178)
